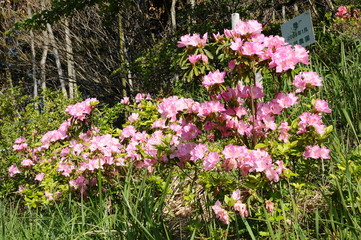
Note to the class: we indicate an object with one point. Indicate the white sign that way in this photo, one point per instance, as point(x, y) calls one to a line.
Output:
point(299, 30)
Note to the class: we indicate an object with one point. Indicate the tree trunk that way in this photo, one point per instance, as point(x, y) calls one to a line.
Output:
point(44, 55)
point(70, 60)
point(43, 60)
point(33, 57)
point(57, 60)
point(173, 15)
point(122, 52)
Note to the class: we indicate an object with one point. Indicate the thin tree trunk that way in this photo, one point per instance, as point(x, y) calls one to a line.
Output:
point(44, 55)
point(43, 61)
point(33, 57)
point(191, 13)
point(70, 61)
point(57, 60)
point(173, 15)
point(122, 53)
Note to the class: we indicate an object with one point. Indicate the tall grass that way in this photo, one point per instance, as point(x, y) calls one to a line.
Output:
point(135, 212)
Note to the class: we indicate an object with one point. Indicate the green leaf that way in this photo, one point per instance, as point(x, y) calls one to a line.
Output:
point(260, 145)
point(208, 53)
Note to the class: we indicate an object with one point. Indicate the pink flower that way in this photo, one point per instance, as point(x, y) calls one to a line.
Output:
point(52, 136)
point(39, 177)
point(204, 58)
point(285, 57)
point(236, 45)
point(309, 119)
point(20, 147)
point(281, 167)
point(170, 107)
point(252, 48)
point(236, 195)
point(63, 129)
point(210, 160)
point(20, 140)
point(125, 101)
point(233, 151)
point(301, 54)
point(65, 168)
point(322, 106)
point(241, 208)
point(27, 163)
point(49, 196)
point(189, 131)
point(139, 97)
point(159, 124)
point(128, 132)
point(183, 151)
point(251, 27)
point(286, 101)
point(269, 206)
point(133, 117)
point(194, 58)
point(13, 169)
point(213, 78)
point(316, 152)
point(220, 212)
point(248, 92)
point(207, 108)
point(217, 36)
point(81, 182)
point(306, 80)
point(193, 41)
point(80, 110)
point(148, 97)
point(342, 10)
point(283, 128)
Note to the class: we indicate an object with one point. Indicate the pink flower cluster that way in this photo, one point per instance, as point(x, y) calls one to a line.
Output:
point(316, 152)
point(220, 212)
point(80, 110)
point(247, 40)
point(20, 145)
point(13, 169)
point(213, 78)
point(193, 40)
point(306, 80)
point(312, 120)
point(343, 13)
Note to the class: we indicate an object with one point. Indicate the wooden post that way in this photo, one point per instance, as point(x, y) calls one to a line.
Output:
point(235, 20)
point(284, 13)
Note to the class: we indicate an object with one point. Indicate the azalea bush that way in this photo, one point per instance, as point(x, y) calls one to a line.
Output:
point(28, 117)
point(259, 131)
